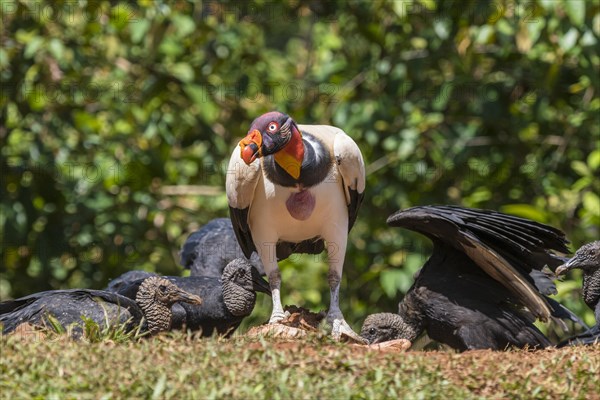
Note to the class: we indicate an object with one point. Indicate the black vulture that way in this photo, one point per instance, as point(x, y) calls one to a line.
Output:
point(587, 258)
point(226, 301)
point(153, 301)
point(207, 251)
point(482, 288)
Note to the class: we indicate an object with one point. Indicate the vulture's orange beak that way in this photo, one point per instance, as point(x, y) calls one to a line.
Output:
point(250, 146)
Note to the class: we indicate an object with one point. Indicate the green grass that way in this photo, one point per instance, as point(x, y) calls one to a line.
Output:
point(180, 366)
point(89, 330)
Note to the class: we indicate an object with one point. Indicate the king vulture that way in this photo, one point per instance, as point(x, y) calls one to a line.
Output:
point(296, 189)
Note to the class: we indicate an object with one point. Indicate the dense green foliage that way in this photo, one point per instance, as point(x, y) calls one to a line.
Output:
point(118, 120)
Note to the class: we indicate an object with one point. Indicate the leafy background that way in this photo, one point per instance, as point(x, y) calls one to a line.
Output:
point(118, 119)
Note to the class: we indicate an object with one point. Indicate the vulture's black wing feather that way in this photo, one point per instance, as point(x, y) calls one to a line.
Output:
point(67, 306)
point(207, 251)
point(239, 220)
point(195, 245)
point(491, 240)
point(124, 279)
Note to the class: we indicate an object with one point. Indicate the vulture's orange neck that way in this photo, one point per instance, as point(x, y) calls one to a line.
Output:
point(291, 156)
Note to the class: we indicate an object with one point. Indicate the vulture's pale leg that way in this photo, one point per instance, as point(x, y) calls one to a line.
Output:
point(275, 283)
point(336, 253)
point(267, 253)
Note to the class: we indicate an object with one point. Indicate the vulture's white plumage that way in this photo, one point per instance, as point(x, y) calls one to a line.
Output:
point(296, 189)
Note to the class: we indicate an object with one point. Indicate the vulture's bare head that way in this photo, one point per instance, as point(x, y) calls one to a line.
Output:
point(155, 297)
point(166, 292)
point(383, 327)
point(241, 273)
point(267, 135)
point(587, 258)
point(240, 282)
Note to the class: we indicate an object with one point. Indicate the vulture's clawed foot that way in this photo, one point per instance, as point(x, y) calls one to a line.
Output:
point(341, 331)
point(277, 317)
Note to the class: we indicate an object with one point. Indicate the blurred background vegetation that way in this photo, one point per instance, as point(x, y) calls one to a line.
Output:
point(118, 118)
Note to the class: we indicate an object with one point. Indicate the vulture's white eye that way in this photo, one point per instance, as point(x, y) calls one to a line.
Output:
point(273, 126)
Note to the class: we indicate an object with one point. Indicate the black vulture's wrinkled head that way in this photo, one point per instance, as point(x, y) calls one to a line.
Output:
point(240, 272)
point(240, 282)
point(156, 296)
point(587, 258)
point(383, 327)
point(167, 293)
